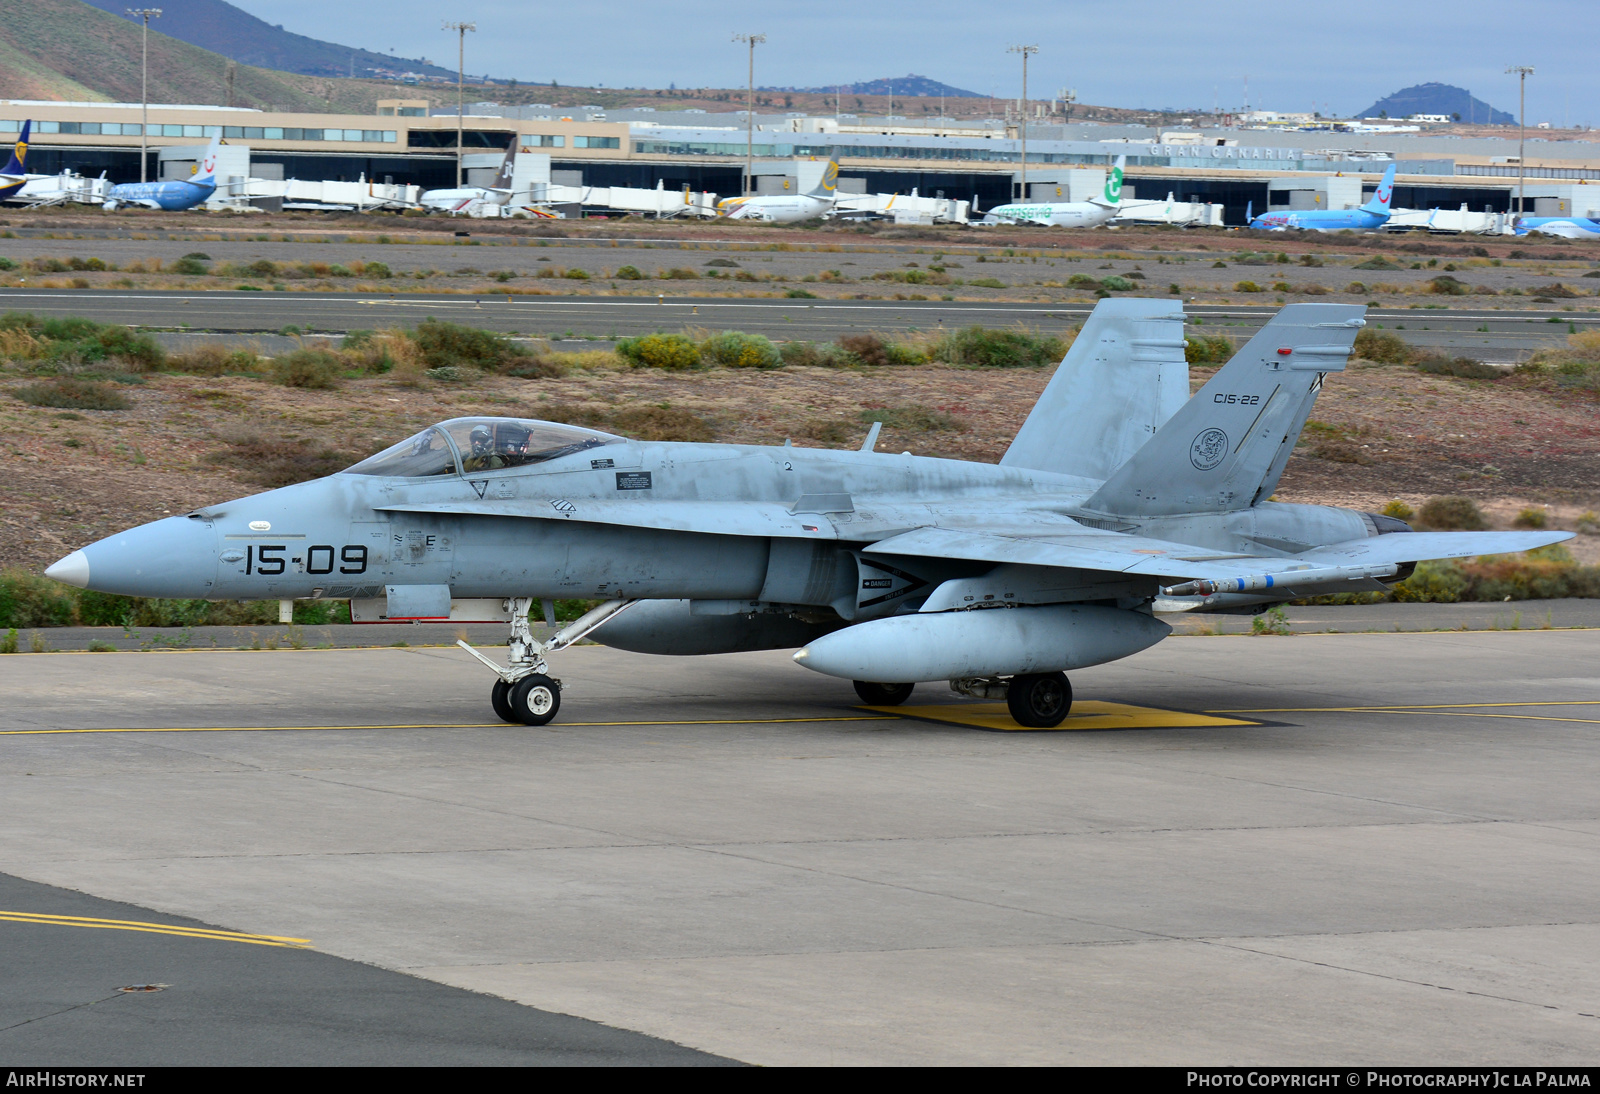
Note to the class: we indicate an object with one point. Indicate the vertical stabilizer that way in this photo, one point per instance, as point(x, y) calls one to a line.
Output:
point(502, 178)
point(817, 178)
point(1225, 449)
point(1112, 194)
point(205, 172)
point(19, 153)
point(1124, 376)
point(1379, 205)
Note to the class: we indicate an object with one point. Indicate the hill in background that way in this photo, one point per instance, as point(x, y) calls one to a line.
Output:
point(912, 86)
point(222, 28)
point(67, 49)
point(1438, 99)
point(74, 51)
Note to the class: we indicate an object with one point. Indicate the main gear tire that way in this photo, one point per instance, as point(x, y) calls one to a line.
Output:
point(1039, 700)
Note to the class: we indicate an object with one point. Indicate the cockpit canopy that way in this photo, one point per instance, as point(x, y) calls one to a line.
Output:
point(468, 445)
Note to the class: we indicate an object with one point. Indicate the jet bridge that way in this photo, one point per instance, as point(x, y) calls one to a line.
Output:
point(1185, 214)
point(69, 187)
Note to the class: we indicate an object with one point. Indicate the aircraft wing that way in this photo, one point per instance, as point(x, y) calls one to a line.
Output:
point(1115, 552)
point(1047, 540)
point(1423, 546)
point(1077, 548)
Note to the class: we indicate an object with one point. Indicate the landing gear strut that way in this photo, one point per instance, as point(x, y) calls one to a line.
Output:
point(525, 692)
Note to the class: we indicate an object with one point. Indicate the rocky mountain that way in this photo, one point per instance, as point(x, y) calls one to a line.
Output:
point(222, 28)
point(1455, 102)
point(912, 86)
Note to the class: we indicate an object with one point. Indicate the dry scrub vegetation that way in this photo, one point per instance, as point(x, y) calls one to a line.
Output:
point(102, 430)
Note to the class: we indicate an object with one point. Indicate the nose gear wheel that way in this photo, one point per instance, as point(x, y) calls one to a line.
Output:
point(524, 693)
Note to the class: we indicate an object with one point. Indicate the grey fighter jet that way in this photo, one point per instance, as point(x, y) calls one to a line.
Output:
point(1120, 497)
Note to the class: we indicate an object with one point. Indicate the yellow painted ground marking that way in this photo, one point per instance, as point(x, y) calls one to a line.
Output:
point(155, 928)
point(1086, 714)
point(436, 725)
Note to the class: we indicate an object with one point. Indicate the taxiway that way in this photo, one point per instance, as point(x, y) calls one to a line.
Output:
point(1327, 848)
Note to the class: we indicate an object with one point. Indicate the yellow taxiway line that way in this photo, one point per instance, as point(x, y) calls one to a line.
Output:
point(155, 928)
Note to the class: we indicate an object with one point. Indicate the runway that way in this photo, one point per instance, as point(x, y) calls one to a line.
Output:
point(1342, 848)
point(1488, 334)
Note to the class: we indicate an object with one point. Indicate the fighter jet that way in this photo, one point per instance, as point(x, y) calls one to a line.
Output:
point(1120, 495)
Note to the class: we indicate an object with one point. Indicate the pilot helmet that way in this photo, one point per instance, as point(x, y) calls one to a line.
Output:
point(513, 439)
point(482, 440)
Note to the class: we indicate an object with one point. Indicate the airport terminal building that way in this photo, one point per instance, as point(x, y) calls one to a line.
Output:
point(1236, 169)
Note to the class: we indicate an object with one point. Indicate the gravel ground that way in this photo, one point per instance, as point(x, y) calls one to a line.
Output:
point(1210, 266)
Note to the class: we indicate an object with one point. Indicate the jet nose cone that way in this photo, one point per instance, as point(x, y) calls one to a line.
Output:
point(175, 557)
point(72, 570)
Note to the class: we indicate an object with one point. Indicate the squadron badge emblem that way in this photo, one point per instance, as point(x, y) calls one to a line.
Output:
point(1208, 449)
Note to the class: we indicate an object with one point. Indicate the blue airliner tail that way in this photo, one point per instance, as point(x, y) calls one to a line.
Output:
point(1379, 205)
point(205, 172)
point(19, 154)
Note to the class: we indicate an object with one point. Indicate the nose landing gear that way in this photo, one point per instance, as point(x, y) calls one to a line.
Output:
point(524, 692)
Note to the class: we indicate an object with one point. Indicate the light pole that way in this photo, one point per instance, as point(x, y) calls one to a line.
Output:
point(461, 68)
point(1022, 128)
point(1521, 72)
point(753, 40)
point(144, 15)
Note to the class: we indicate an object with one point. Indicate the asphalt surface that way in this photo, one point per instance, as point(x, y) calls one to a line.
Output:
point(1508, 333)
point(97, 983)
point(1361, 848)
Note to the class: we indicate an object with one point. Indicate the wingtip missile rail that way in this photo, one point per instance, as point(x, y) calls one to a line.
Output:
point(1297, 579)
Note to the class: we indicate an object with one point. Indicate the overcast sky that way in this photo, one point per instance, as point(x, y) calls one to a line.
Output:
point(1145, 53)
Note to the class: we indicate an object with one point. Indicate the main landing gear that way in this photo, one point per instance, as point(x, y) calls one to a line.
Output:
point(1039, 700)
point(525, 692)
point(1036, 700)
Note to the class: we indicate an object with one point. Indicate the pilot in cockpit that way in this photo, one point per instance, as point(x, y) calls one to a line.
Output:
point(483, 456)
